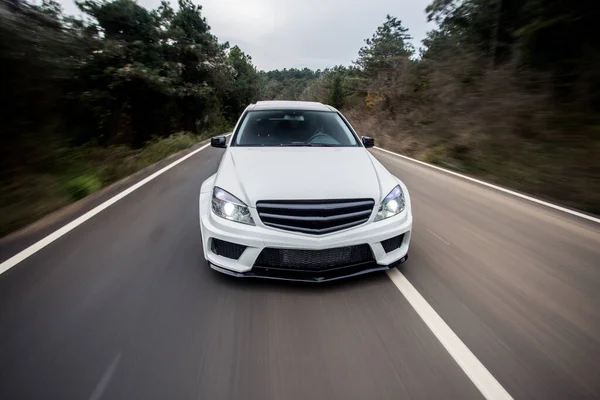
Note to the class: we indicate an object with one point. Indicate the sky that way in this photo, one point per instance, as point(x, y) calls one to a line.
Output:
point(315, 34)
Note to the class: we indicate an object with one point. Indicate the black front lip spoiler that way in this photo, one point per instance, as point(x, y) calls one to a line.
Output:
point(310, 276)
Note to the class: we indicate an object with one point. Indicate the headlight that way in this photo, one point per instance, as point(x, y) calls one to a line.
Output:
point(393, 204)
point(227, 206)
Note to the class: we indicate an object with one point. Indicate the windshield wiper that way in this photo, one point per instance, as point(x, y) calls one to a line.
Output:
point(309, 145)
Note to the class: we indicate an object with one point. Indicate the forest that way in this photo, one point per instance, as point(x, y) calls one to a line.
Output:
point(507, 90)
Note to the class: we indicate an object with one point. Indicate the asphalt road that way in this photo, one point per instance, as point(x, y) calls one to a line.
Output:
point(125, 307)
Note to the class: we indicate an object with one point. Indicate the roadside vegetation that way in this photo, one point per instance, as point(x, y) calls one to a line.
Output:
point(502, 89)
point(89, 100)
point(73, 173)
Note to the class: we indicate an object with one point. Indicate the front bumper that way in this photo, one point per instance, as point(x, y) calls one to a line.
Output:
point(310, 276)
point(256, 238)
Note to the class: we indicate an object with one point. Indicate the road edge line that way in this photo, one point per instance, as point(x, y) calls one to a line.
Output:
point(40, 244)
point(499, 188)
point(489, 387)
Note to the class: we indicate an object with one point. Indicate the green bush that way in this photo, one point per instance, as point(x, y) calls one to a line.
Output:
point(158, 149)
point(83, 185)
point(435, 155)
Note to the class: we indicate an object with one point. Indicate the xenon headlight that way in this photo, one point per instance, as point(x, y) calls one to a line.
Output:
point(227, 206)
point(393, 204)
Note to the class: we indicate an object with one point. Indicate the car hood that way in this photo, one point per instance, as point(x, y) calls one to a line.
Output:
point(300, 173)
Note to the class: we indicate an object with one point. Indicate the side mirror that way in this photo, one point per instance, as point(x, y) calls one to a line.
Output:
point(367, 141)
point(218, 141)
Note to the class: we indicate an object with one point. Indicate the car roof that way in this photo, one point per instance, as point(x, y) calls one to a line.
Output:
point(290, 105)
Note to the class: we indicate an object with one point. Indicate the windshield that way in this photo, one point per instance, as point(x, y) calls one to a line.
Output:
point(294, 128)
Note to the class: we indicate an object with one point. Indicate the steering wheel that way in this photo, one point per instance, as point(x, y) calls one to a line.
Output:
point(316, 135)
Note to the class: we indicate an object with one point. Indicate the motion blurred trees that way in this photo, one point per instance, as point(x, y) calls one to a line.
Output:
point(120, 75)
point(35, 61)
point(553, 37)
point(507, 89)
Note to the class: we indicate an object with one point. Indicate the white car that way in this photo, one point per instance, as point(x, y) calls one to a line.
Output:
point(298, 197)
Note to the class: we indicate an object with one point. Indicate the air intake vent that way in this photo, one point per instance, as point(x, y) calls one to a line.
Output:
point(315, 216)
point(392, 244)
point(227, 249)
point(314, 260)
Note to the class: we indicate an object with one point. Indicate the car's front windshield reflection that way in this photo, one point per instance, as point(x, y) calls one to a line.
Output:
point(294, 128)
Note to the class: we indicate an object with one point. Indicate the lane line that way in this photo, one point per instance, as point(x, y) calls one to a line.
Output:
point(34, 248)
point(105, 379)
point(437, 236)
point(499, 188)
point(489, 387)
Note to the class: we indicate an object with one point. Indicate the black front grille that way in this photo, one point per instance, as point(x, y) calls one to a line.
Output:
point(314, 260)
point(227, 249)
point(314, 216)
point(392, 244)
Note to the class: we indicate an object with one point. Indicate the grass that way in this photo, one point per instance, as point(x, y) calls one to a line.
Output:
point(83, 185)
point(435, 155)
point(74, 173)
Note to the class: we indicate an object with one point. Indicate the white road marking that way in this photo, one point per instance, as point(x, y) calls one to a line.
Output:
point(501, 189)
point(489, 387)
point(437, 236)
point(105, 379)
point(34, 248)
